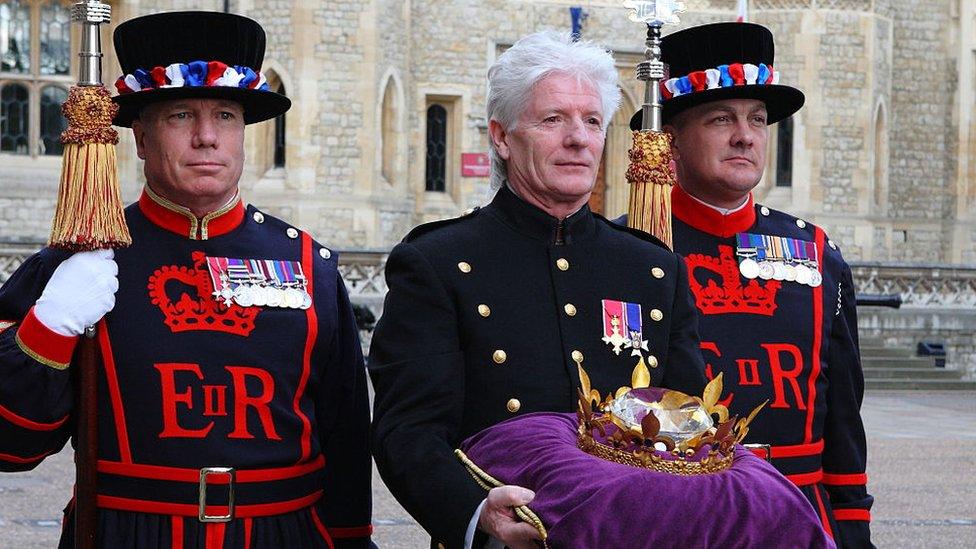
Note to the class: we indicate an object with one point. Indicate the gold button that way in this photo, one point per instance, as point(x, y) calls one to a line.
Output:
point(464, 267)
point(562, 264)
point(652, 361)
point(484, 310)
point(499, 356)
point(570, 309)
point(657, 272)
point(656, 315)
point(577, 356)
point(513, 405)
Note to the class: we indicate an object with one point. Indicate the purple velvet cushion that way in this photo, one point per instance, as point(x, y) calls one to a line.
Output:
point(586, 502)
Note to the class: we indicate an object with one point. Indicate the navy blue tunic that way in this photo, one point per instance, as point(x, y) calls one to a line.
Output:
point(277, 393)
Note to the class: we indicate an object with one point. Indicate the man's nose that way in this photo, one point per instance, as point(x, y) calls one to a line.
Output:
point(743, 136)
point(576, 134)
point(205, 133)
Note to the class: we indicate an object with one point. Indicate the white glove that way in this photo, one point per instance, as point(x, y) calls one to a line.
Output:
point(80, 292)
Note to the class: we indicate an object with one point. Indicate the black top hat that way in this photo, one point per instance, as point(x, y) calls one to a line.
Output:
point(195, 54)
point(722, 61)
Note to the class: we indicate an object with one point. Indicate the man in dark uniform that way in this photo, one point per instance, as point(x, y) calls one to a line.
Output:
point(488, 315)
point(232, 368)
point(774, 296)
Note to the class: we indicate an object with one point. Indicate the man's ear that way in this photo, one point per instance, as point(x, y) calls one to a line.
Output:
point(139, 132)
point(673, 132)
point(499, 137)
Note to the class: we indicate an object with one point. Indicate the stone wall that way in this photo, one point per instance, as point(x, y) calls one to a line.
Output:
point(905, 328)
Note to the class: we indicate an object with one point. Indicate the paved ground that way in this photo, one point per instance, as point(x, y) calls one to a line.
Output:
point(921, 468)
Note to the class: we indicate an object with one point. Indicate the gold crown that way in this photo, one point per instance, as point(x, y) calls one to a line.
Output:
point(659, 429)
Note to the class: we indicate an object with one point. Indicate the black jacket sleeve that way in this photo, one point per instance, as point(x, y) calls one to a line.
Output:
point(418, 373)
point(343, 418)
point(36, 395)
point(844, 454)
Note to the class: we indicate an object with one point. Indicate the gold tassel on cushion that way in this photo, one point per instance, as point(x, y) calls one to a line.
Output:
point(89, 213)
point(651, 180)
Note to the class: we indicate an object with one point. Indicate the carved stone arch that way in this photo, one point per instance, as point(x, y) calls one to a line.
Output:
point(612, 190)
point(389, 126)
point(267, 149)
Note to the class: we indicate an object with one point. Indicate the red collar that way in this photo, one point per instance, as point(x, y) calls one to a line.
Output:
point(710, 220)
point(180, 220)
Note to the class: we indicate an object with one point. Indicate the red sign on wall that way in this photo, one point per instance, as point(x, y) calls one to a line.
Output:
point(474, 164)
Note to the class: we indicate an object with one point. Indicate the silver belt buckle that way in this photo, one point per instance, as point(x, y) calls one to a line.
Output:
point(206, 472)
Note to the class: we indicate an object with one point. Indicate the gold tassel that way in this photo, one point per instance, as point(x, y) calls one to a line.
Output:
point(89, 214)
point(651, 179)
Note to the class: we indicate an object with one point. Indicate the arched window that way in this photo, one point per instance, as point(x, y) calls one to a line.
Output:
point(436, 174)
point(784, 152)
point(35, 67)
point(880, 157)
point(389, 131)
point(279, 135)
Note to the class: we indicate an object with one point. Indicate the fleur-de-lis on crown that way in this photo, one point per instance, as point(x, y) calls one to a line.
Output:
point(655, 13)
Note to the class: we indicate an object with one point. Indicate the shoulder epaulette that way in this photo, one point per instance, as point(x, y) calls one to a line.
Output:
point(636, 232)
point(425, 228)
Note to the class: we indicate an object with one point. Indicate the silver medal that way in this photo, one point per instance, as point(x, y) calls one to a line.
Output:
point(276, 297)
point(293, 298)
point(816, 278)
point(790, 272)
point(766, 270)
point(259, 296)
point(243, 296)
point(749, 268)
point(306, 300)
point(802, 274)
point(779, 271)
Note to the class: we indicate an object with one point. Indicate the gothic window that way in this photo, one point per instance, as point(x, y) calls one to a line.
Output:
point(279, 135)
point(388, 131)
point(35, 73)
point(436, 174)
point(784, 153)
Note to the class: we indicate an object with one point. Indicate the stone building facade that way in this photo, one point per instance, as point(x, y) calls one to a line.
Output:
point(879, 155)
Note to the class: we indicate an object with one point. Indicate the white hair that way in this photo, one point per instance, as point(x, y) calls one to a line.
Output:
point(534, 57)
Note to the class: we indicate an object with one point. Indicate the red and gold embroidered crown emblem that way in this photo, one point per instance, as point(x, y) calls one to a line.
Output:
point(731, 296)
point(202, 312)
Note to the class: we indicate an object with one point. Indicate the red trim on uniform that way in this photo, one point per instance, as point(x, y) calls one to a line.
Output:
point(323, 531)
point(191, 510)
point(45, 342)
point(114, 393)
point(798, 450)
point(852, 479)
point(806, 479)
point(10, 458)
point(248, 526)
point(817, 339)
point(177, 523)
point(180, 474)
point(21, 421)
point(168, 219)
point(852, 514)
point(709, 220)
point(313, 330)
point(822, 511)
point(180, 222)
point(351, 532)
point(215, 535)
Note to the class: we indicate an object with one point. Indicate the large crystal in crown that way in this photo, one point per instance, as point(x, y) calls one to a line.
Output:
point(682, 417)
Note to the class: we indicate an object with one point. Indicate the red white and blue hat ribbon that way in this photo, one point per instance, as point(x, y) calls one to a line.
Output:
point(723, 76)
point(195, 74)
